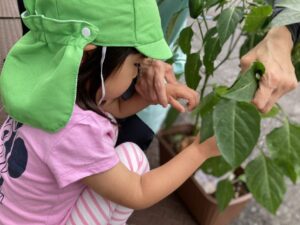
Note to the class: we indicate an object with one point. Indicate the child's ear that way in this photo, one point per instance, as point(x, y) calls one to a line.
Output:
point(89, 47)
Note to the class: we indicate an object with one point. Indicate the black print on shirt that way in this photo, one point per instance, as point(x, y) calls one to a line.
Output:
point(13, 152)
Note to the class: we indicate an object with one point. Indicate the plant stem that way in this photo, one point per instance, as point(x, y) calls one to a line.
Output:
point(200, 29)
point(201, 97)
point(231, 40)
point(204, 87)
point(252, 39)
point(195, 131)
point(229, 51)
point(205, 22)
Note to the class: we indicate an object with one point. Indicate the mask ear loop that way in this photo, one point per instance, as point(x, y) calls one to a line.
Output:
point(101, 75)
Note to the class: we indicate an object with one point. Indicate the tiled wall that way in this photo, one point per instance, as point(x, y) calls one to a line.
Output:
point(10, 28)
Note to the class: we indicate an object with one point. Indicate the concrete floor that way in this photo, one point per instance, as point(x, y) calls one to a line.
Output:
point(171, 211)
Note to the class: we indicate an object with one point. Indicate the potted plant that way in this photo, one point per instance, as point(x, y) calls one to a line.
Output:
point(227, 113)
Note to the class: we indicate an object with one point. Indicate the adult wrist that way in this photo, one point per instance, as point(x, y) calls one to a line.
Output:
point(281, 36)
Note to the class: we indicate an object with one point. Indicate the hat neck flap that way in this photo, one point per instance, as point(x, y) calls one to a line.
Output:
point(39, 79)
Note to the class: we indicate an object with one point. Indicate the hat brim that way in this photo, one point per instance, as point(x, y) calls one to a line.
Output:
point(156, 50)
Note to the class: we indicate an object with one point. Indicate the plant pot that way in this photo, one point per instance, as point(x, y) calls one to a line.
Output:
point(201, 205)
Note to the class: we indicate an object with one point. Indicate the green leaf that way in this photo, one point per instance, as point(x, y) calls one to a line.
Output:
point(206, 112)
point(208, 102)
point(221, 90)
point(284, 143)
point(185, 38)
point(246, 85)
point(242, 178)
point(297, 68)
point(206, 128)
point(288, 169)
point(270, 2)
point(171, 117)
point(296, 59)
point(227, 22)
point(237, 129)
point(196, 8)
point(216, 166)
point(257, 17)
point(266, 183)
point(192, 68)
point(291, 4)
point(272, 113)
point(297, 169)
point(211, 3)
point(286, 17)
point(224, 194)
point(212, 49)
point(211, 33)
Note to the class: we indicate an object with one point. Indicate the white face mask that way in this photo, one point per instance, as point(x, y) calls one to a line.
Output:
point(101, 75)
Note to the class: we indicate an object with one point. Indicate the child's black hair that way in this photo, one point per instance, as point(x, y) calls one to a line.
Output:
point(89, 79)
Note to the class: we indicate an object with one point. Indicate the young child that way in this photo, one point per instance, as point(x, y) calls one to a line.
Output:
point(58, 162)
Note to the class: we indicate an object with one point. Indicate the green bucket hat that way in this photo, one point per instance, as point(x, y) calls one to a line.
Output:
point(39, 78)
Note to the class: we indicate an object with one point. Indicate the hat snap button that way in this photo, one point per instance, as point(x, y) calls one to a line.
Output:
point(86, 32)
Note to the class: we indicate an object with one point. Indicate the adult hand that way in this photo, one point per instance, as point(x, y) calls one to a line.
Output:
point(274, 51)
point(181, 91)
point(151, 84)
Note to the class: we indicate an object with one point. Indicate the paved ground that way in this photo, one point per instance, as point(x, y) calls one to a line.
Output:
point(171, 211)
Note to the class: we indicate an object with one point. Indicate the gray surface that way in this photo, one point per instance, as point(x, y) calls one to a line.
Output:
point(170, 211)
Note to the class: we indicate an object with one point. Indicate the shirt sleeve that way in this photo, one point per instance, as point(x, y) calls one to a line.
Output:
point(85, 149)
point(293, 28)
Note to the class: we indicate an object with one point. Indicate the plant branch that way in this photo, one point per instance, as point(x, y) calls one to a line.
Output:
point(200, 29)
point(205, 22)
point(229, 51)
point(201, 97)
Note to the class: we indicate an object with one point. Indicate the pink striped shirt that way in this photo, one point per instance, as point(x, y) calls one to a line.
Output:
point(92, 208)
point(40, 172)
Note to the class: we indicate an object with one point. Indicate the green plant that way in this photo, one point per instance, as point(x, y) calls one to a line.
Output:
point(227, 112)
